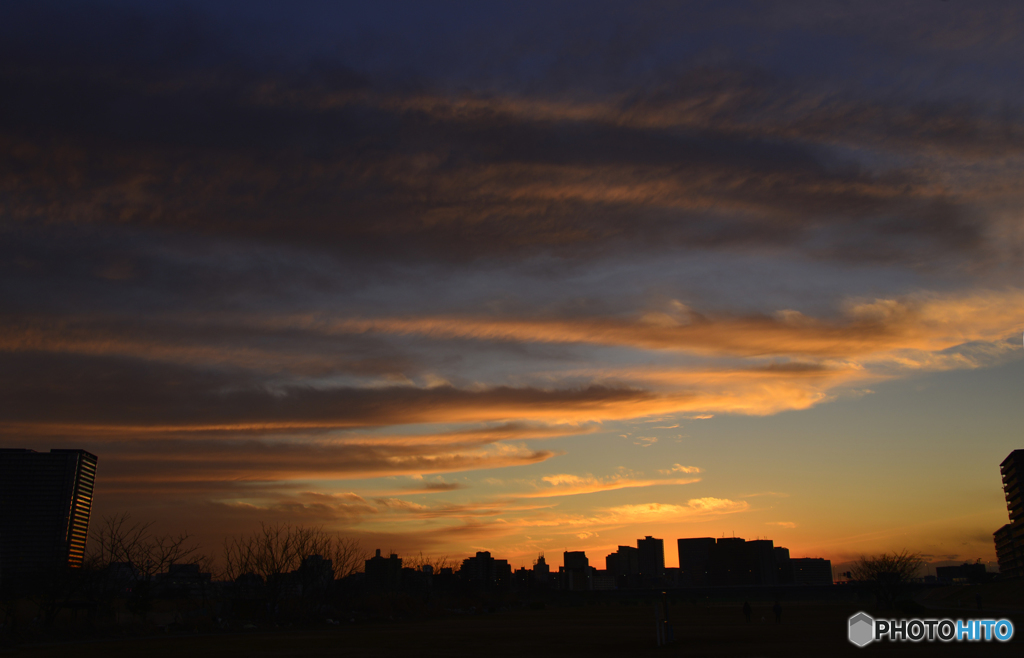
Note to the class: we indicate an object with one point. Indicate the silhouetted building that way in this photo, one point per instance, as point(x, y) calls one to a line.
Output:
point(624, 565)
point(486, 573)
point(761, 556)
point(541, 571)
point(730, 564)
point(651, 557)
point(575, 571)
point(601, 579)
point(811, 571)
point(695, 561)
point(1009, 539)
point(45, 503)
point(418, 580)
point(118, 577)
point(1010, 550)
point(183, 580)
point(522, 580)
point(315, 574)
point(384, 573)
point(783, 567)
point(575, 560)
point(1012, 470)
point(962, 573)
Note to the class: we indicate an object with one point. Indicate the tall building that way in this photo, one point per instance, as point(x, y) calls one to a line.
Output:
point(383, 573)
point(624, 563)
point(45, 503)
point(624, 566)
point(1012, 470)
point(651, 557)
point(541, 570)
point(695, 561)
point(484, 572)
point(576, 571)
point(730, 563)
point(783, 566)
point(763, 567)
point(733, 562)
point(1010, 538)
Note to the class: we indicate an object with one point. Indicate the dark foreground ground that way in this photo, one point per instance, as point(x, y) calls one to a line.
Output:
point(808, 629)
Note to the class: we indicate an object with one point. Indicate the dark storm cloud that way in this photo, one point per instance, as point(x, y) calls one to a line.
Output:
point(56, 389)
point(177, 133)
point(431, 487)
point(154, 462)
point(246, 342)
point(97, 268)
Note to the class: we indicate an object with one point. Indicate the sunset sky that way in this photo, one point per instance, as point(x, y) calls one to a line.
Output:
point(521, 277)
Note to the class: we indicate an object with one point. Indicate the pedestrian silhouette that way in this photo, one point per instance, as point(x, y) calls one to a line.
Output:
point(747, 610)
point(777, 609)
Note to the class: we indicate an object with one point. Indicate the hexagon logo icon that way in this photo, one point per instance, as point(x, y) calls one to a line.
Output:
point(862, 629)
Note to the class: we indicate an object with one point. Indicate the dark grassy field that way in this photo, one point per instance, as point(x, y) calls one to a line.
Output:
point(591, 630)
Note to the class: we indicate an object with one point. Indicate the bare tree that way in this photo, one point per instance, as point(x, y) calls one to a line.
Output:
point(129, 551)
point(435, 563)
point(888, 574)
point(275, 551)
point(281, 548)
point(120, 540)
point(346, 555)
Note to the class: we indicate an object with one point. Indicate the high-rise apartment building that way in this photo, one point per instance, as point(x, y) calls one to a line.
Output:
point(763, 567)
point(575, 571)
point(730, 563)
point(485, 572)
point(1010, 538)
point(45, 502)
point(651, 559)
point(625, 561)
point(695, 561)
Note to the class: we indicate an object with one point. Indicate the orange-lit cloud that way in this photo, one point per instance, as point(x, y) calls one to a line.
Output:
point(678, 468)
point(870, 342)
point(154, 463)
point(927, 323)
point(646, 513)
point(571, 485)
